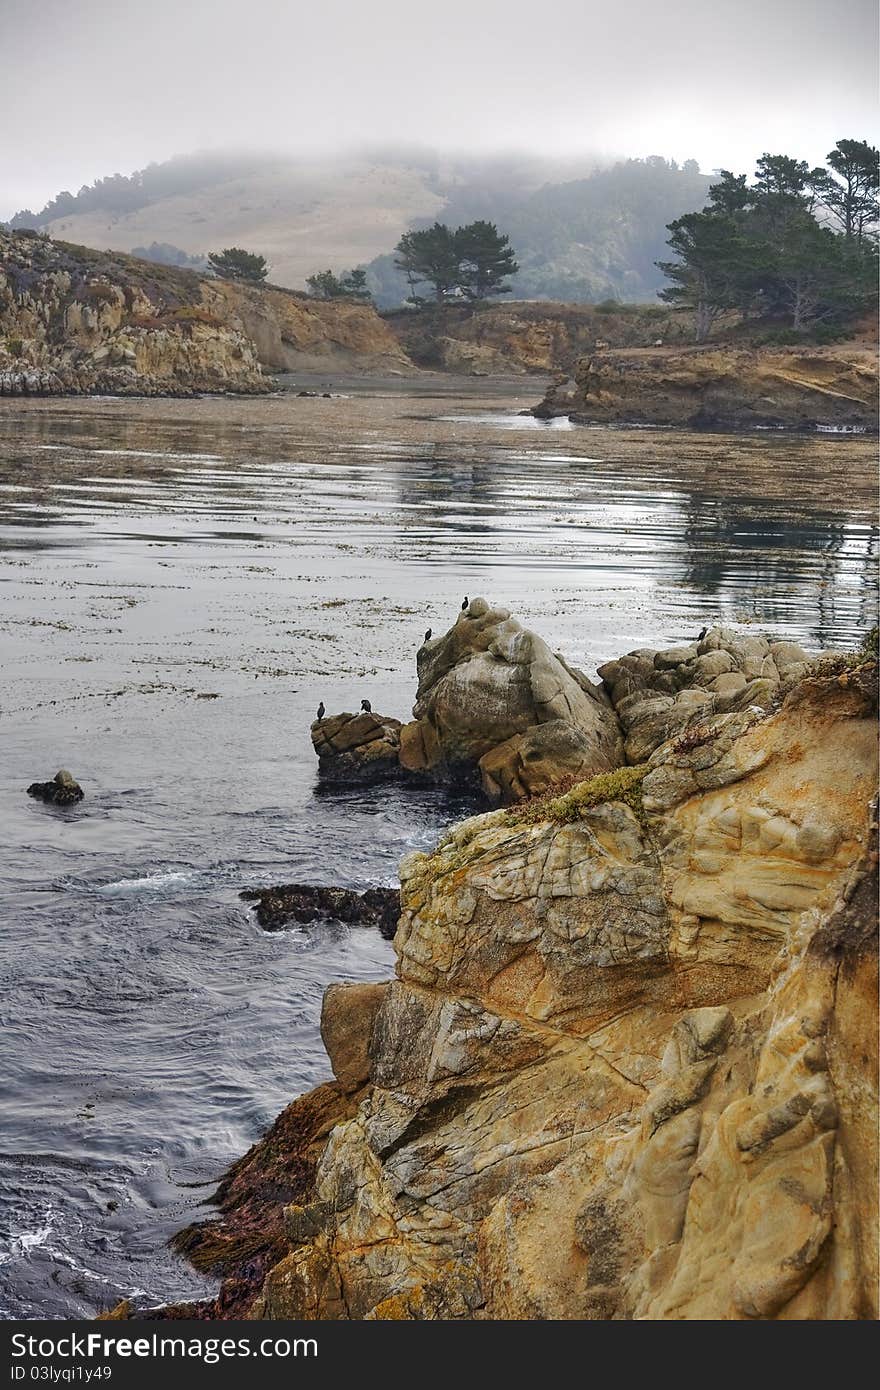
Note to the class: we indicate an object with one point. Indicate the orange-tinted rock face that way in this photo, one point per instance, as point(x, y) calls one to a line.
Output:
point(627, 1068)
point(75, 320)
point(722, 387)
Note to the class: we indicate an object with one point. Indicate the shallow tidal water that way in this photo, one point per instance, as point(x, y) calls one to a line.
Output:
point(180, 583)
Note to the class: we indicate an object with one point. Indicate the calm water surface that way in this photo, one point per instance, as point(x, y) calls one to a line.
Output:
point(181, 583)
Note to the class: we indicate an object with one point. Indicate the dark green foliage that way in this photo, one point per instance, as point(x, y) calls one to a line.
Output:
point(577, 241)
point(706, 275)
point(471, 262)
point(766, 250)
point(234, 263)
point(352, 284)
point(848, 190)
point(430, 257)
point(485, 260)
point(355, 284)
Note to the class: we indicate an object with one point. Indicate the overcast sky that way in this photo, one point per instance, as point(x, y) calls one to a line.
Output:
point(92, 87)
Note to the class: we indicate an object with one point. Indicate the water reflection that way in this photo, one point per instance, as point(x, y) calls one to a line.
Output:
point(743, 524)
point(183, 581)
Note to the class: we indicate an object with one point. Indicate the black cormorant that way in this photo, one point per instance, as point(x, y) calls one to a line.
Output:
point(428, 635)
point(465, 604)
point(366, 707)
point(321, 711)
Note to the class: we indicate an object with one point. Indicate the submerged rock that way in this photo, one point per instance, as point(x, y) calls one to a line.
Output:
point(63, 790)
point(279, 907)
point(627, 1066)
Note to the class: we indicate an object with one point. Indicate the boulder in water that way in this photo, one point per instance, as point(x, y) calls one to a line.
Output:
point(299, 902)
point(357, 748)
point(63, 790)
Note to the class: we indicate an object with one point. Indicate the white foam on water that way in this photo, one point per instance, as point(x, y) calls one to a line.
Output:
point(23, 1242)
point(151, 882)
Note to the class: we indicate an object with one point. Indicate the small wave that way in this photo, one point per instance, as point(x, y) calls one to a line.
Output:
point(841, 429)
point(160, 880)
point(157, 454)
point(151, 882)
point(21, 1244)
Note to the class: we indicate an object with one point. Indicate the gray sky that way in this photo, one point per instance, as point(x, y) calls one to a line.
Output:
point(93, 87)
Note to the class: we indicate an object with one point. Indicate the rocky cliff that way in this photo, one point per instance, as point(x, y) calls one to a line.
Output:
point(627, 1066)
point(722, 388)
point(519, 338)
point(74, 320)
point(292, 332)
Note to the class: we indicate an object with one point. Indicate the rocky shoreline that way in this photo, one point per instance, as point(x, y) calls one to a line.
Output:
point(75, 321)
point(622, 1070)
point(720, 387)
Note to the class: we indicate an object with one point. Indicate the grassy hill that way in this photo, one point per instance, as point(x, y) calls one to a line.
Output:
point(581, 233)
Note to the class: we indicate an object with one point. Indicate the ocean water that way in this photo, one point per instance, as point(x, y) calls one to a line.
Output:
point(180, 584)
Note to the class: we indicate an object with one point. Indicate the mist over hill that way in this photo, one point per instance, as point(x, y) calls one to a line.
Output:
point(582, 232)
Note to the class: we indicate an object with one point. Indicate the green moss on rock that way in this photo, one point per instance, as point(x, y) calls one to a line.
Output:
point(623, 784)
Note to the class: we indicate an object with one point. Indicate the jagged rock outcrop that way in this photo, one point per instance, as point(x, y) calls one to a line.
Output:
point(719, 387)
point(627, 1067)
point(494, 706)
point(658, 694)
point(74, 320)
point(293, 332)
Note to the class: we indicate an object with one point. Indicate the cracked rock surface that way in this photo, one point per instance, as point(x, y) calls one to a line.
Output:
point(627, 1067)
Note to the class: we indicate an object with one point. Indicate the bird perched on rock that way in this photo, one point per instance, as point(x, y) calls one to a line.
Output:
point(702, 634)
point(321, 711)
point(465, 604)
point(366, 707)
point(428, 635)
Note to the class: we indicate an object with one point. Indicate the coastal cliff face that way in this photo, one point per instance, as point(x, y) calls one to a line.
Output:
point(519, 338)
point(722, 388)
point(627, 1066)
point(74, 321)
point(292, 332)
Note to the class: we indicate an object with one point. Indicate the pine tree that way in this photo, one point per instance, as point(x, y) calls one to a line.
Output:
point(351, 284)
point(706, 277)
point(236, 264)
point(431, 257)
point(354, 285)
point(849, 191)
point(485, 260)
point(762, 248)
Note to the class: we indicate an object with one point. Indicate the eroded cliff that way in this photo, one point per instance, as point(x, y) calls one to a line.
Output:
point(627, 1067)
point(722, 387)
point(74, 320)
point(490, 339)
